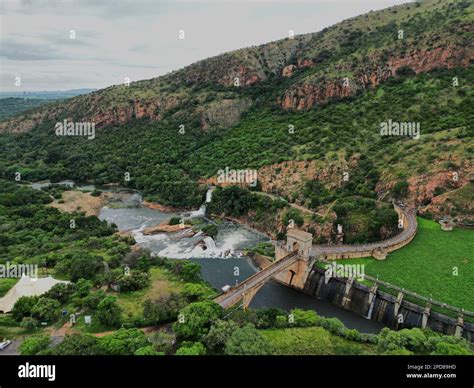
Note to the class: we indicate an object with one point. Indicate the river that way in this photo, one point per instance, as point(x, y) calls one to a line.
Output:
point(222, 261)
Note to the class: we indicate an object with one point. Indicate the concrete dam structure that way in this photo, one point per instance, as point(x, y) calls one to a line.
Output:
point(295, 258)
point(294, 267)
point(393, 311)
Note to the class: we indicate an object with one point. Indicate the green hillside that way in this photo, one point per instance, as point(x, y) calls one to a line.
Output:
point(320, 98)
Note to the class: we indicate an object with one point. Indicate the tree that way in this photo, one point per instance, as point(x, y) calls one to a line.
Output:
point(34, 344)
point(77, 345)
point(148, 351)
point(123, 342)
point(195, 291)
point(195, 319)
point(164, 309)
point(46, 309)
point(267, 317)
point(109, 312)
point(61, 292)
point(304, 318)
point(316, 192)
point(191, 349)
point(219, 334)
point(234, 201)
point(85, 266)
point(400, 190)
point(23, 306)
point(83, 287)
point(29, 323)
point(135, 281)
point(294, 215)
point(187, 270)
point(248, 341)
point(405, 71)
point(92, 300)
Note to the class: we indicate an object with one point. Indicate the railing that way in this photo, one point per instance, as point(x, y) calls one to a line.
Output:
point(407, 234)
point(264, 274)
point(415, 295)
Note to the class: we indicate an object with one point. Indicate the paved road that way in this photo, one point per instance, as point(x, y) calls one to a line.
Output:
point(230, 298)
point(405, 234)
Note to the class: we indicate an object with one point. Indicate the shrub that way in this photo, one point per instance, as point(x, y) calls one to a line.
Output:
point(174, 221)
point(196, 319)
point(191, 349)
point(109, 312)
point(29, 323)
point(334, 325)
point(33, 345)
point(304, 318)
point(46, 309)
point(147, 351)
point(248, 341)
point(210, 230)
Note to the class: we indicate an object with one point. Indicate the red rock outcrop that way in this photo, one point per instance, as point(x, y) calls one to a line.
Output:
point(288, 70)
point(244, 74)
point(307, 95)
point(425, 60)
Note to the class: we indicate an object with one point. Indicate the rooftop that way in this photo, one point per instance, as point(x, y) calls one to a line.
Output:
point(299, 234)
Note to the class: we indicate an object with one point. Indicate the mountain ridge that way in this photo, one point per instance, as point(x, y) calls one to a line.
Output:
point(334, 87)
point(157, 97)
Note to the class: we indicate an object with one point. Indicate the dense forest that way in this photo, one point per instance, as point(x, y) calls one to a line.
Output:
point(197, 121)
point(11, 106)
point(165, 165)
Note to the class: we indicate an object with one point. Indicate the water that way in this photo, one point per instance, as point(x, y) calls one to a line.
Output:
point(221, 259)
point(229, 242)
point(273, 294)
point(40, 185)
point(201, 212)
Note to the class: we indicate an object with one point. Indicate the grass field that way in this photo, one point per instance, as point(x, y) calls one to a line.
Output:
point(161, 285)
point(312, 341)
point(428, 265)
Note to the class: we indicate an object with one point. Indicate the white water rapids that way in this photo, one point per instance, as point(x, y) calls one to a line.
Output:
point(229, 242)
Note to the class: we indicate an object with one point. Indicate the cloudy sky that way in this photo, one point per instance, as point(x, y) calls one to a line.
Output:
point(140, 39)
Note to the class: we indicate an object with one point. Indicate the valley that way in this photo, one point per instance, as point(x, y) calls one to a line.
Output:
point(172, 198)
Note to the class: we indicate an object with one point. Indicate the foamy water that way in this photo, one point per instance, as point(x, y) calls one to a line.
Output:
point(231, 239)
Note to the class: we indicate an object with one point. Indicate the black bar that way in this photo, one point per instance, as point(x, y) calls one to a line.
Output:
point(366, 371)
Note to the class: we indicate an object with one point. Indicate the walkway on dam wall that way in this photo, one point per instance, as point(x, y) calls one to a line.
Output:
point(343, 251)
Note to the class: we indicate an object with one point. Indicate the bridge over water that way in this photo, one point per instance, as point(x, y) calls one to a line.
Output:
point(295, 258)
